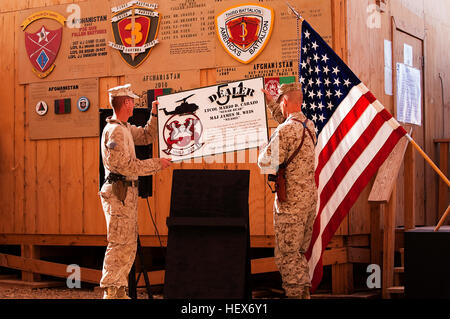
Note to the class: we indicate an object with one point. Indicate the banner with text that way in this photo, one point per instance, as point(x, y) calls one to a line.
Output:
point(212, 120)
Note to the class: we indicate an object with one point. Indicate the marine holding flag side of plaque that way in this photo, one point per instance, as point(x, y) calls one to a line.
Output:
point(292, 147)
point(119, 194)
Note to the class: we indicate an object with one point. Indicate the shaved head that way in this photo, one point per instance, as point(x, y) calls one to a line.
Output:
point(118, 101)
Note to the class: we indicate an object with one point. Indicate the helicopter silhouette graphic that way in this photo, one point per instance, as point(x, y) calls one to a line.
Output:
point(183, 108)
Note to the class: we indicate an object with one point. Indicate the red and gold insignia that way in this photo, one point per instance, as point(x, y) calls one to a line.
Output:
point(245, 30)
point(135, 27)
point(42, 43)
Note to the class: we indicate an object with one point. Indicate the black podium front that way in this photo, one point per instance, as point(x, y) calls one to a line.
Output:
point(208, 241)
point(427, 263)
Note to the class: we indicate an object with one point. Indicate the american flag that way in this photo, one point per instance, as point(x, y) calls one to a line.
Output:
point(355, 134)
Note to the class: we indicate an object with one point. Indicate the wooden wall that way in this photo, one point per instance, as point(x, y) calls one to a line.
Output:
point(418, 22)
point(50, 186)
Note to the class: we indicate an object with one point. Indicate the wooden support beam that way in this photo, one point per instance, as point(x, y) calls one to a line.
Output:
point(59, 270)
point(389, 244)
point(443, 165)
point(46, 268)
point(342, 278)
point(30, 251)
point(410, 187)
point(256, 241)
point(375, 233)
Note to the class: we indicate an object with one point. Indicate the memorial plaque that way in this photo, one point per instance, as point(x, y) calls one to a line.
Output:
point(186, 38)
point(82, 30)
point(63, 109)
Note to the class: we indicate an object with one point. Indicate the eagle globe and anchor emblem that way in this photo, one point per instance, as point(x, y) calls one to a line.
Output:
point(183, 129)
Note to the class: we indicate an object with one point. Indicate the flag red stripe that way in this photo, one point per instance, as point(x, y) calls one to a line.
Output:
point(343, 128)
point(61, 104)
point(352, 196)
point(158, 92)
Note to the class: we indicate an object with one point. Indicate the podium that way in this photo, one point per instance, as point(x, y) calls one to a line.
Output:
point(208, 240)
point(427, 263)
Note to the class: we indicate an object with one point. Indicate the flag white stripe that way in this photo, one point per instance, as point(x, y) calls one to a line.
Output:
point(353, 174)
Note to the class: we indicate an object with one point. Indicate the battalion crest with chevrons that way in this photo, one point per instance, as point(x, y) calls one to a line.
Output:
point(135, 26)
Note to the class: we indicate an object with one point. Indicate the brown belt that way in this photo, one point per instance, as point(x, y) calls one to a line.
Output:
point(131, 183)
point(128, 183)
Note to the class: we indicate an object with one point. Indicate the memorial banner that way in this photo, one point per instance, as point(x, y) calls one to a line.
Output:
point(212, 120)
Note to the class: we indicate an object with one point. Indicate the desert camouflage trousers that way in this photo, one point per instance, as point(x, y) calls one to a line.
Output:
point(292, 237)
point(122, 230)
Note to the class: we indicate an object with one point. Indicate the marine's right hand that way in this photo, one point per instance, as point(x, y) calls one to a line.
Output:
point(165, 162)
point(267, 96)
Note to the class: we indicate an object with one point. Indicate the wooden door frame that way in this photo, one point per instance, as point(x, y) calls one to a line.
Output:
point(411, 154)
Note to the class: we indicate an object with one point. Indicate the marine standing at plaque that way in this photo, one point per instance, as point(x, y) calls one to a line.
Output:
point(292, 144)
point(119, 194)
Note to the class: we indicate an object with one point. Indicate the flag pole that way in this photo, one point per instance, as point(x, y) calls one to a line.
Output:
point(299, 53)
point(441, 221)
point(295, 12)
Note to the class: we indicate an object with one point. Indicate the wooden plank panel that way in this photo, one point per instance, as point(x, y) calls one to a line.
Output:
point(93, 218)
point(256, 201)
point(19, 148)
point(7, 96)
point(48, 186)
point(19, 160)
point(8, 6)
point(30, 187)
point(71, 186)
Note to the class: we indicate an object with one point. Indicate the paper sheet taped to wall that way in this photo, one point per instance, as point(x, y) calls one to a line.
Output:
point(409, 95)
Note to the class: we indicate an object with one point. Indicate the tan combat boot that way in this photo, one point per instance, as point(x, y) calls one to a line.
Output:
point(306, 294)
point(122, 293)
point(110, 293)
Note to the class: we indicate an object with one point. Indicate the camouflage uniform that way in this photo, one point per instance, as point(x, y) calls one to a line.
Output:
point(118, 154)
point(293, 219)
